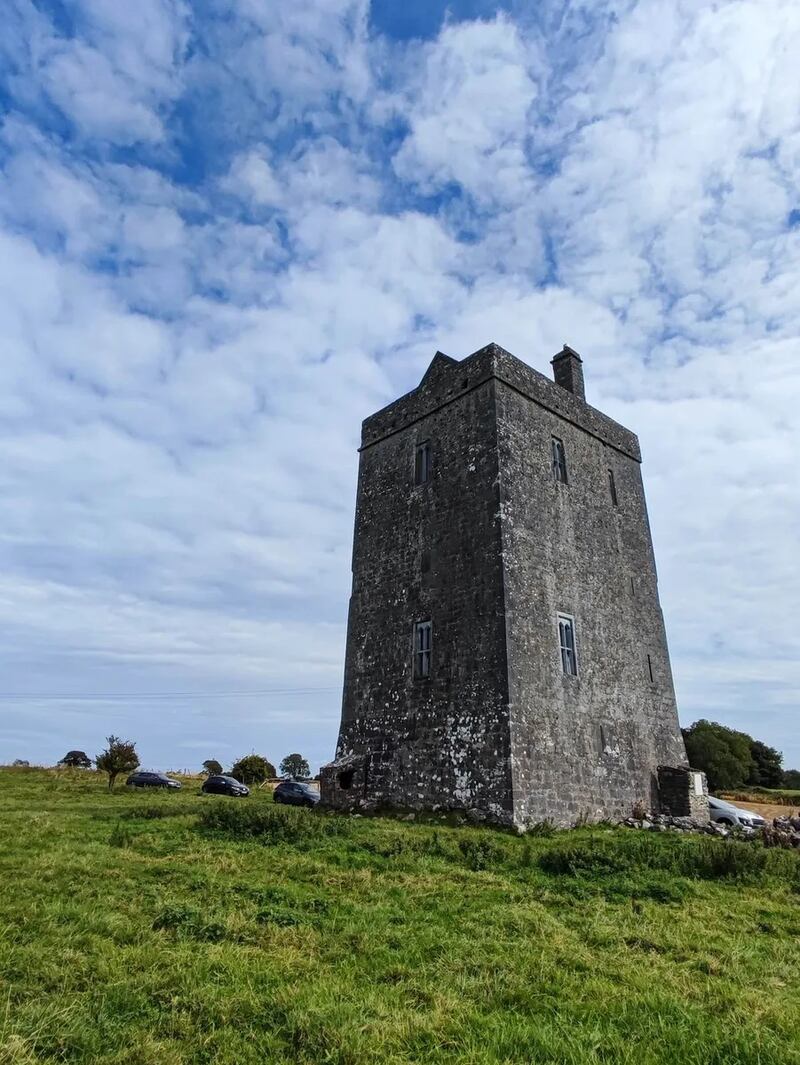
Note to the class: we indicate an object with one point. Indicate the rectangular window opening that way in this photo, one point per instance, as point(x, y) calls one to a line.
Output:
point(422, 463)
point(559, 461)
point(566, 639)
point(422, 649)
point(612, 487)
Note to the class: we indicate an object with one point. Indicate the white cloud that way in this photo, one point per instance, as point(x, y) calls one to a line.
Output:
point(252, 175)
point(467, 110)
point(83, 83)
point(113, 74)
point(193, 330)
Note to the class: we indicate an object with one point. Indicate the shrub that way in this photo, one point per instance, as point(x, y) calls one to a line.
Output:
point(211, 767)
point(119, 757)
point(252, 769)
point(76, 760)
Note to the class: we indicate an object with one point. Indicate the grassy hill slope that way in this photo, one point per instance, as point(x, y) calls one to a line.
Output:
point(134, 931)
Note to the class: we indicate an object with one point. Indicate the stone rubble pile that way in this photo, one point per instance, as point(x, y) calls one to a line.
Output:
point(665, 822)
point(783, 832)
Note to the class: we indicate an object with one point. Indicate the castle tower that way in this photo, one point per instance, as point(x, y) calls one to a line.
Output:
point(506, 650)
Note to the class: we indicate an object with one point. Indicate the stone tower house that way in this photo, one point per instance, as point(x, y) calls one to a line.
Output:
point(506, 649)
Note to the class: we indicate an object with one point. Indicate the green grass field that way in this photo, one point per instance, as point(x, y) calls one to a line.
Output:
point(132, 931)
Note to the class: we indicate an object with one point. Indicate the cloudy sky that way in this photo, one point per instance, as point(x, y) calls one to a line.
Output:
point(230, 230)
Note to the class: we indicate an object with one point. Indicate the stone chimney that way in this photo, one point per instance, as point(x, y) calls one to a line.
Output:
point(568, 371)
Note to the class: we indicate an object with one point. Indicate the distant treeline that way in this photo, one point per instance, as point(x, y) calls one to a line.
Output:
point(734, 760)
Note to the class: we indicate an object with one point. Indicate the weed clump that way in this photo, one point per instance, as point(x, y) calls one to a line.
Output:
point(270, 824)
point(186, 922)
point(121, 836)
point(153, 812)
point(476, 852)
point(482, 852)
point(393, 846)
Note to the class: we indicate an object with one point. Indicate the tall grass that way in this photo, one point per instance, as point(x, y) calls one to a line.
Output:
point(702, 858)
point(607, 852)
point(271, 824)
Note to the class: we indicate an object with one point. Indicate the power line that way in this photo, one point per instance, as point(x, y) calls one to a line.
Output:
point(110, 696)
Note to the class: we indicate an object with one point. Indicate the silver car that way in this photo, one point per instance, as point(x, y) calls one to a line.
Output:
point(724, 813)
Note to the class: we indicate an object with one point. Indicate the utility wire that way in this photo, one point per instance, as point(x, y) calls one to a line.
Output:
point(95, 696)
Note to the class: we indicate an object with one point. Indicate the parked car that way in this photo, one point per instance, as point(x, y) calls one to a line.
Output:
point(294, 793)
point(143, 779)
point(221, 784)
point(725, 813)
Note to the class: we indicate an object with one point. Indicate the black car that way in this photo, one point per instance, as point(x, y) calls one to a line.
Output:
point(224, 785)
point(142, 779)
point(293, 793)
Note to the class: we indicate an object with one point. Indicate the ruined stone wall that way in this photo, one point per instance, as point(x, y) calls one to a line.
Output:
point(428, 552)
point(683, 792)
point(587, 745)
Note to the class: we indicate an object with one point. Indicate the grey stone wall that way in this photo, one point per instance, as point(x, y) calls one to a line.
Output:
point(587, 745)
point(429, 552)
point(682, 792)
point(491, 550)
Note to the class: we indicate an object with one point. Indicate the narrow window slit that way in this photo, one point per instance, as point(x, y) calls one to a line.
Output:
point(566, 637)
point(422, 463)
point(422, 649)
point(612, 487)
point(559, 460)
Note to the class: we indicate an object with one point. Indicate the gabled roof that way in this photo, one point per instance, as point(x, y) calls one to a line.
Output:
point(440, 363)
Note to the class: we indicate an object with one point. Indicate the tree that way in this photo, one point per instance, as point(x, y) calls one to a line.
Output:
point(768, 768)
point(76, 760)
point(119, 757)
point(252, 769)
point(295, 765)
point(21, 762)
point(212, 767)
point(722, 753)
point(791, 779)
point(732, 759)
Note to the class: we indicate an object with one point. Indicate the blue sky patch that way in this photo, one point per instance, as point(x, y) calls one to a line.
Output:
point(229, 231)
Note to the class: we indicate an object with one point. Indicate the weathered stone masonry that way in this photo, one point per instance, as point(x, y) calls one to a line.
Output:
point(491, 549)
